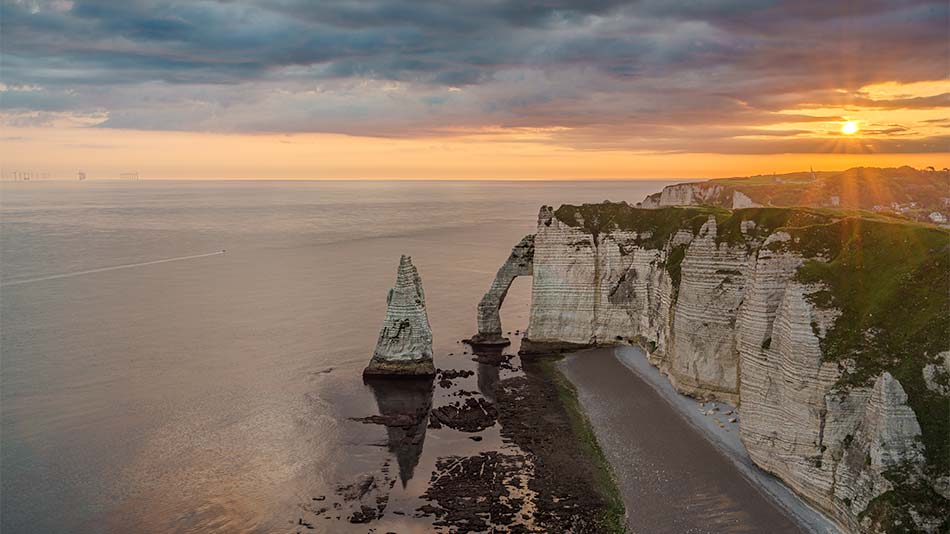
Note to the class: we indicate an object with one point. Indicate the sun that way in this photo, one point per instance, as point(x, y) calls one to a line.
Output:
point(849, 127)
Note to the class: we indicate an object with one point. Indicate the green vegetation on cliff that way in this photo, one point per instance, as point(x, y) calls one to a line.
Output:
point(891, 284)
point(892, 511)
point(889, 279)
point(655, 227)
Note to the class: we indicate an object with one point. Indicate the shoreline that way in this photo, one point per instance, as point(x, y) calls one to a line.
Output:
point(507, 446)
point(549, 473)
point(728, 443)
point(651, 436)
point(585, 438)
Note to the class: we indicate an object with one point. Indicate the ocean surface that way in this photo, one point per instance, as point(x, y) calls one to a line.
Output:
point(186, 356)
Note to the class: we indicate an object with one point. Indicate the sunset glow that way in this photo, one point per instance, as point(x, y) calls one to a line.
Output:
point(849, 128)
point(313, 91)
point(330, 266)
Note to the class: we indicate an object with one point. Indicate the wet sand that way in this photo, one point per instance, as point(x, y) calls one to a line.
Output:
point(674, 473)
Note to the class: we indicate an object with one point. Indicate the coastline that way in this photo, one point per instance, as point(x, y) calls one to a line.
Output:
point(548, 473)
point(641, 422)
point(509, 449)
point(541, 413)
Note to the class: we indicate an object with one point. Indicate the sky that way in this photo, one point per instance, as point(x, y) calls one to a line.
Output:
point(470, 89)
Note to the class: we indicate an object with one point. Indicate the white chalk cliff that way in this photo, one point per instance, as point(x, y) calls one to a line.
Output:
point(405, 341)
point(716, 301)
point(697, 194)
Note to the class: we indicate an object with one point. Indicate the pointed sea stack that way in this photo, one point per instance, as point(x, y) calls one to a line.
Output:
point(405, 342)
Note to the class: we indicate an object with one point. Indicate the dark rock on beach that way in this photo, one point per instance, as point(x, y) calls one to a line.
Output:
point(476, 493)
point(574, 487)
point(452, 374)
point(473, 415)
point(445, 377)
point(492, 491)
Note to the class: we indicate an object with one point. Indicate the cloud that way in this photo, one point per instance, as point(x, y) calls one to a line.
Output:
point(685, 76)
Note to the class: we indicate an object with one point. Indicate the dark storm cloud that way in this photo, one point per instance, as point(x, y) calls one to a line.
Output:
point(411, 67)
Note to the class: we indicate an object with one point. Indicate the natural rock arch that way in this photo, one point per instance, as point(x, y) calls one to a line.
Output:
point(520, 263)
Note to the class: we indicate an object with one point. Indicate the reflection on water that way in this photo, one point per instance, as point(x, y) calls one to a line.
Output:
point(216, 394)
point(405, 403)
point(488, 358)
point(488, 377)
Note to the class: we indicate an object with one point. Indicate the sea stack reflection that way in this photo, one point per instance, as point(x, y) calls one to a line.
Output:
point(404, 409)
point(405, 342)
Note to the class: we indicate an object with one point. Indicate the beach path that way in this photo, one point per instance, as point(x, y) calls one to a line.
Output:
point(671, 477)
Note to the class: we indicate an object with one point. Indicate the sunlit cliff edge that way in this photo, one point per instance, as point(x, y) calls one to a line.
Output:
point(915, 194)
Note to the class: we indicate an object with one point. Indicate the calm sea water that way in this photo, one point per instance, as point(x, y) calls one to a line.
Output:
point(212, 392)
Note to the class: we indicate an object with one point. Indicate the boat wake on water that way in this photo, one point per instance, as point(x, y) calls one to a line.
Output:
point(112, 268)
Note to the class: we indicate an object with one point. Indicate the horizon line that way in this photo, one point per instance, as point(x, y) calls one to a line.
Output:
point(371, 179)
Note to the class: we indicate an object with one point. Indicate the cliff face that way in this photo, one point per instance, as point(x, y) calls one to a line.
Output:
point(689, 194)
point(798, 316)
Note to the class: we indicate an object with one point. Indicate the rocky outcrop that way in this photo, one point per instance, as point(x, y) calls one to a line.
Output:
point(404, 347)
point(937, 375)
point(741, 200)
point(519, 263)
point(745, 306)
point(702, 194)
point(682, 195)
point(697, 194)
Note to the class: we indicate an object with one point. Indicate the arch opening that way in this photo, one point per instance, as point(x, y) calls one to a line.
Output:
point(519, 263)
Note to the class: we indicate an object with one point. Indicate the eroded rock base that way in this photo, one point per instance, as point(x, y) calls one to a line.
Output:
point(424, 368)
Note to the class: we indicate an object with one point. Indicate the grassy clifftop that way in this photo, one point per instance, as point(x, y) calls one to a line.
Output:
point(657, 226)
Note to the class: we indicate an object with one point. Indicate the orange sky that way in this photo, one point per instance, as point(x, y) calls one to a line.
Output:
point(104, 153)
point(399, 89)
point(68, 145)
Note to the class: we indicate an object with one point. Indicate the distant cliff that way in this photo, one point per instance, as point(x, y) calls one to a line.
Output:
point(922, 195)
point(828, 328)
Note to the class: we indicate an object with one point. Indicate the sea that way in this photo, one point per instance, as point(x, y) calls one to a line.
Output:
point(186, 356)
